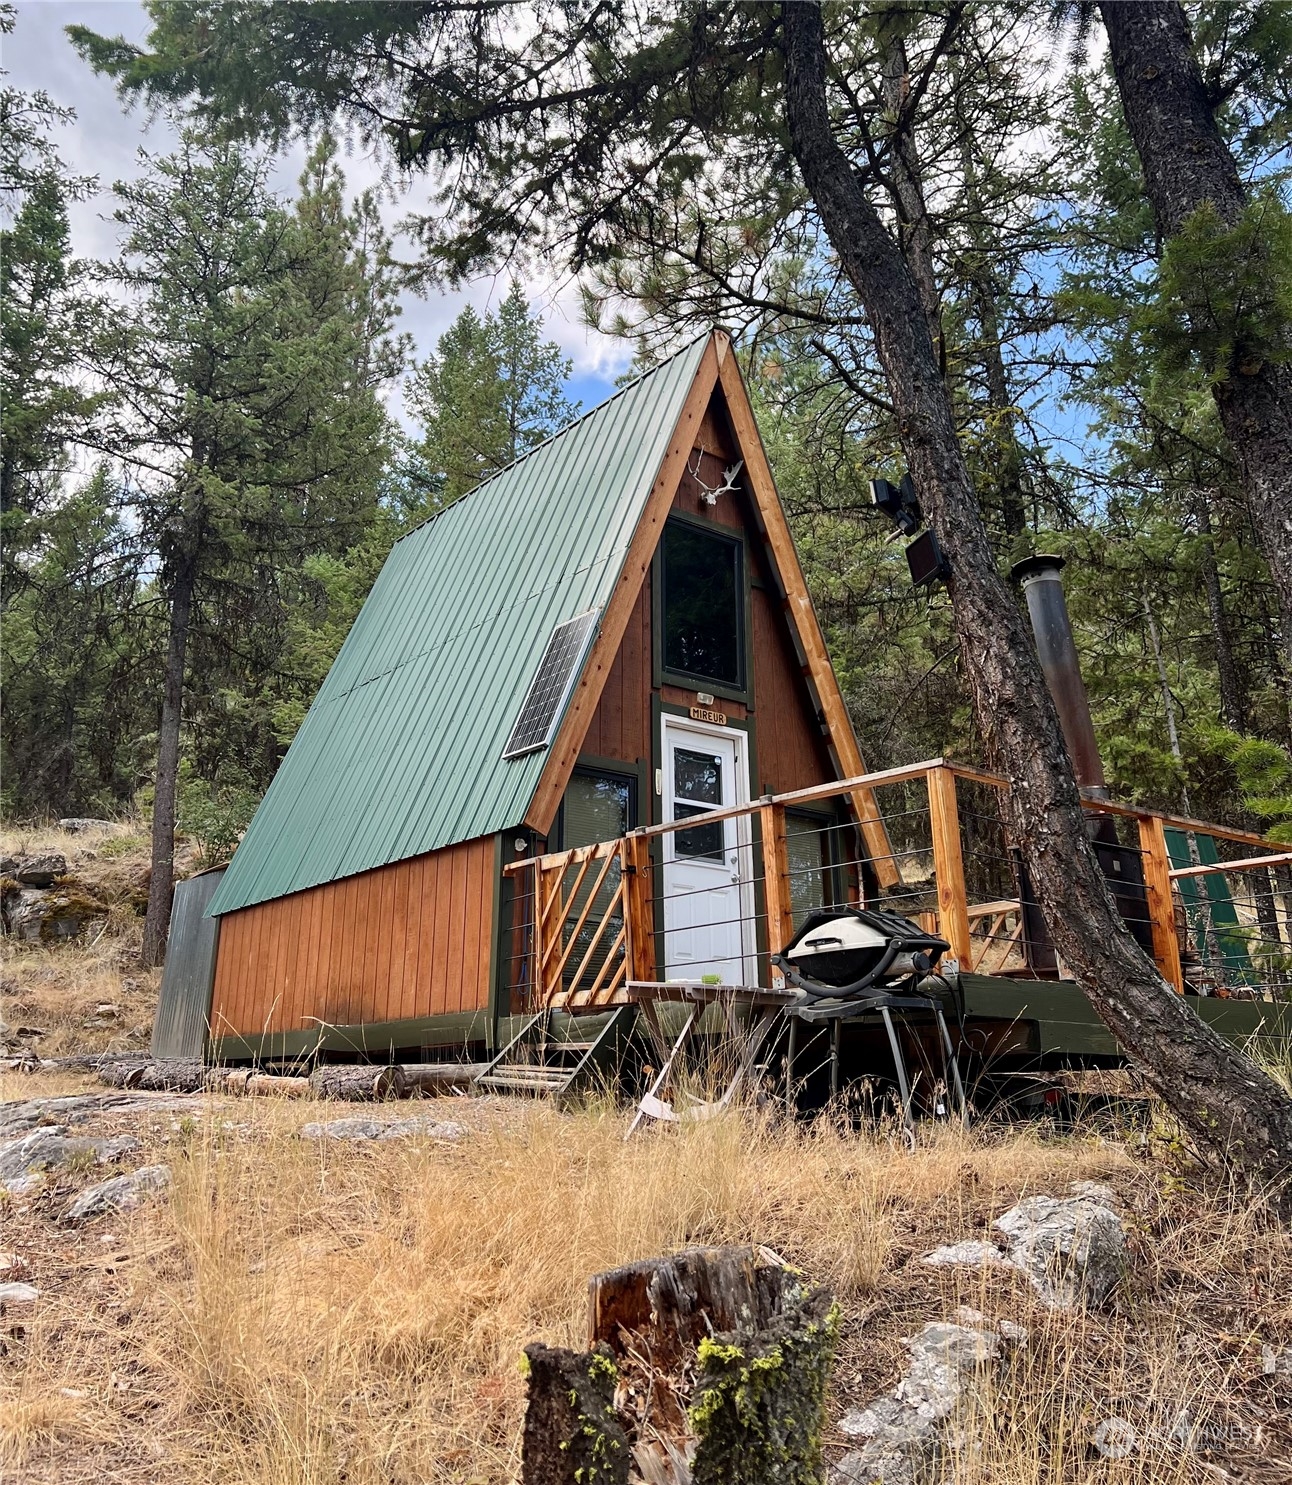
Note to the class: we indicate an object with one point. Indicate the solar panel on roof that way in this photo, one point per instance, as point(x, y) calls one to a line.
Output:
point(550, 686)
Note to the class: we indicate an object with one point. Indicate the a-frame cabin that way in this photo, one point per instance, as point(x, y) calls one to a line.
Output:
point(612, 632)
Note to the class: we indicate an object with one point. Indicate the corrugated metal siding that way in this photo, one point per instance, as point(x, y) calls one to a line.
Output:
point(184, 1003)
point(412, 939)
point(401, 752)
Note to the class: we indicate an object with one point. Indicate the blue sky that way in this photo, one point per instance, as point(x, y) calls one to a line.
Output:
point(104, 140)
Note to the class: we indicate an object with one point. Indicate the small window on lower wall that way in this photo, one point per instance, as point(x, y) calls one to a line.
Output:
point(597, 807)
point(807, 842)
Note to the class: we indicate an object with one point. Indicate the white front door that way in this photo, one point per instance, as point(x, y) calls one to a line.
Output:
point(708, 877)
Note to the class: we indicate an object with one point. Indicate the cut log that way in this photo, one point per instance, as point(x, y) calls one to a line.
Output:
point(247, 1082)
point(719, 1356)
point(572, 1435)
point(181, 1075)
point(439, 1077)
point(357, 1084)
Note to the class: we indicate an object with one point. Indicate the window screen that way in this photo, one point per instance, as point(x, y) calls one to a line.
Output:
point(703, 592)
point(807, 843)
point(598, 807)
point(556, 671)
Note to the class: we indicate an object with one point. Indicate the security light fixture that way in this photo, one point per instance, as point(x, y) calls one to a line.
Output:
point(899, 503)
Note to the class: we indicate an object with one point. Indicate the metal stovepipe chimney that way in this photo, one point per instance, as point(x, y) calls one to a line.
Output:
point(1048, 611)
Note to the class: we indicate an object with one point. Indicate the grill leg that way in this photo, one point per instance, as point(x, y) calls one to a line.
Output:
point(899, 1063)
point(953, 1066)
point(834, 1058)
point(790, 1050)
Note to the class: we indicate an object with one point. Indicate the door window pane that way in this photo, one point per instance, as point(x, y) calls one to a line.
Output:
point(697, 840)
point(703, 589)
point(697, 776)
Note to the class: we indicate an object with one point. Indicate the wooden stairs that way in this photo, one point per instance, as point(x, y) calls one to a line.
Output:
point(537, 1061)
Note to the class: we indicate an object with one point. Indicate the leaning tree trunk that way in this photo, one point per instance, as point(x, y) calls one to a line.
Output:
point(1234, 1112)
point(162, 881)
point(1187, 165)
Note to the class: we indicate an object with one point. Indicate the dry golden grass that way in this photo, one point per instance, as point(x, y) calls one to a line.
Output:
point(55, 988)
point(318, 1314)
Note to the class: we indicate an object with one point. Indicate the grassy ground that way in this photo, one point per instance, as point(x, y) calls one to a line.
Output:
point(57, 989)
point(298, 1312)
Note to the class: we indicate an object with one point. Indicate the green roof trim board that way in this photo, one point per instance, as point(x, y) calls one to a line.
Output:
point(402, 751)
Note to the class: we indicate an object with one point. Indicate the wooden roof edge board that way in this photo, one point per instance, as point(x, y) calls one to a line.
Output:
point(802, 615)
point(564, 751)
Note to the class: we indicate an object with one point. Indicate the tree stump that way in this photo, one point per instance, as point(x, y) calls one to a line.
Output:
point(717, 1360)
point(361, 1084)
point(572, 1436)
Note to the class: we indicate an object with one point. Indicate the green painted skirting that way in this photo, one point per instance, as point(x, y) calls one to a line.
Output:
point(1056, 1011)
point(379, 1039)
point(1066, 1022)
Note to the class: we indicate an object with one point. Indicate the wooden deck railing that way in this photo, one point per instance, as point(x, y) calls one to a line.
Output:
point(596, 909)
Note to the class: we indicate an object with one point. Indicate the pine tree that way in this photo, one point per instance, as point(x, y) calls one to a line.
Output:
point(492, 390)
point(244, 418)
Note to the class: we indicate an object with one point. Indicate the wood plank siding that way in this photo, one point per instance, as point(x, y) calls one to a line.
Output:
point(405, 941)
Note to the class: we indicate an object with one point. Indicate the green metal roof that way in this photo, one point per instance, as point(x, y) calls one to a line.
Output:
point(401, 752)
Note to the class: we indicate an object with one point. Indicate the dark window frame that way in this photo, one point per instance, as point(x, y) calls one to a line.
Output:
point(690, 680)
point(625, 773)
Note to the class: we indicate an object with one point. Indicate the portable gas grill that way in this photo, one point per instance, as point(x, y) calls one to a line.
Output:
point(851, 962)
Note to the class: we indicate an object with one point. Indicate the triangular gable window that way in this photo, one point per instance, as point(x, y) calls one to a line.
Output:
point(556, 674)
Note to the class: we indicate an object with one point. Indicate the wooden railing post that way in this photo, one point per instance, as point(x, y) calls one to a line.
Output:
point(1161, 904)
point(948, 863)
point(776, 880)
point(639, 906)
point(538, 988)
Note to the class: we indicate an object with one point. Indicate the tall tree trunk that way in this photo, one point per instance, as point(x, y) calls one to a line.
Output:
point(165, 787)
point(1233, 1111)
point(1008, 474)
point(915, 232)
point(1187, 164)
point(1233, 711)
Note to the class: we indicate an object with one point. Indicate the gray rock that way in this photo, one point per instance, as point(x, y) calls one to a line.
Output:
point(384, 1129)
point(1094, 1191)
point(1073, 1249)
point(40, 871)
point(18, 1293)
point(8, 866)
point(80, 824)
point(71, 1108)
point(120, 1194)
point(50, 1148)
point(77, 1108)
point(37, 916)
point(969, 1254)
point(904, 1430)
